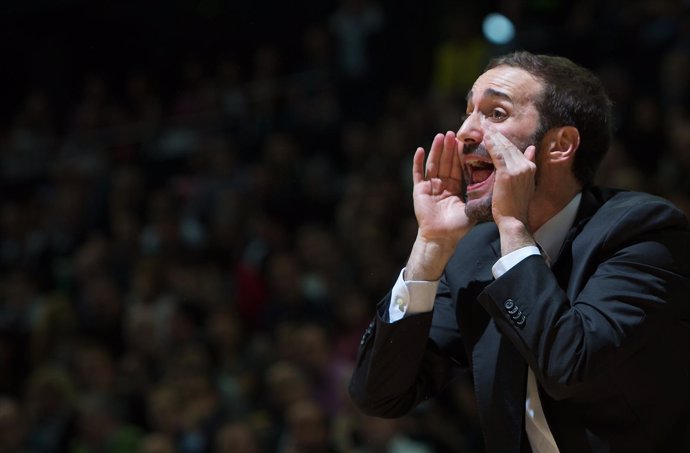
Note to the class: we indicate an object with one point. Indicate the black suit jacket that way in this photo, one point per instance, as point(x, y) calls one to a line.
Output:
point(606, 331)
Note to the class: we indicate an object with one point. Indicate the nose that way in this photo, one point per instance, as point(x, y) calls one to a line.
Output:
point(470, 131)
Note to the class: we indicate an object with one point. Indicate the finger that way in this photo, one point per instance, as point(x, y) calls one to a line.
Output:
point(449, 146)
point(456, 171)
point(418, 166)
point(502, 151)
point(531, 153)
point(495, 150)
point(434, 159)
point(511, 152)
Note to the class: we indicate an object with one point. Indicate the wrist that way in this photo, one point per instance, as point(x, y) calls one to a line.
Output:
point(428, 258)
point(514, 235)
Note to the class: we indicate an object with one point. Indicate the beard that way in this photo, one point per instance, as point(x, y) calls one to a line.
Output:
point(479, 209)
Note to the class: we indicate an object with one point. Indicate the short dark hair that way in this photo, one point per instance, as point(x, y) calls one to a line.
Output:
point(572, 96)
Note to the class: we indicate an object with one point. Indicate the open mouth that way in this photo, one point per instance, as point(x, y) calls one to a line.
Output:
point(478, 172)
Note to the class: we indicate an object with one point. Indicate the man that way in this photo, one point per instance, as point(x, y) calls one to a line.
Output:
point(570, 304)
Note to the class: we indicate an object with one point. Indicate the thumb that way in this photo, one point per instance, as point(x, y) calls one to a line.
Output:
point(531, 153)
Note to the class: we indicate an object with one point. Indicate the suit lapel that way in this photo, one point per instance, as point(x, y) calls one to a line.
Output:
point(589, 204)
point(500, 380)
point(568, 280)
point(500, 372)
point(500, 375)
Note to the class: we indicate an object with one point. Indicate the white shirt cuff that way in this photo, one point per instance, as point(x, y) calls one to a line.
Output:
point(505, 263)
point(408, 297)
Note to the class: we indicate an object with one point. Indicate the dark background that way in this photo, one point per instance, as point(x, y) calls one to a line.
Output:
point(198, 215)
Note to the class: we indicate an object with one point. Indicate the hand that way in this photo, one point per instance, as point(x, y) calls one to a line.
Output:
point(438, 206)
point(514, 181)
point(513, 189)
point(437, 193)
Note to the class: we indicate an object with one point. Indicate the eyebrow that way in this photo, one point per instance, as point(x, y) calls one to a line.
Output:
point(490, 92)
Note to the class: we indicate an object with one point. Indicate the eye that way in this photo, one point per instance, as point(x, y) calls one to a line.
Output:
point(497, 115)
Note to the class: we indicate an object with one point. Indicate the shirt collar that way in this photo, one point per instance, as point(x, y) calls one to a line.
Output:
point(552, 234)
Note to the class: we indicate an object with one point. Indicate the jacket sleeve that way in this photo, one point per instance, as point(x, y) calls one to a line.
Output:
point(403, 363)
point(631, 285)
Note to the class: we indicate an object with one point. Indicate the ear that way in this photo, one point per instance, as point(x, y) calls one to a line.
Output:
point(563, 143)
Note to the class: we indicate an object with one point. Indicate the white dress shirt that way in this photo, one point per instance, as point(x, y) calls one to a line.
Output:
point(413, 296)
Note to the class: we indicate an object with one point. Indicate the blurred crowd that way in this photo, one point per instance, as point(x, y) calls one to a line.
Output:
point(190, 270)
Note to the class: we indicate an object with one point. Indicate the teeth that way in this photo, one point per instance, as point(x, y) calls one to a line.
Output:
point(479, 164)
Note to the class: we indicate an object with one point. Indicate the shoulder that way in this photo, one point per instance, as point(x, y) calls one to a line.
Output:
point(637, 211)
point(626, 199)
point(626, 218)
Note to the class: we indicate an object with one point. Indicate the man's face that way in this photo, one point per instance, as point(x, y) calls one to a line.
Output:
point(502, 99)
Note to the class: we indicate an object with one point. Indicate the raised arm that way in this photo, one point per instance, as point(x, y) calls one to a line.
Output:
point(438, 206)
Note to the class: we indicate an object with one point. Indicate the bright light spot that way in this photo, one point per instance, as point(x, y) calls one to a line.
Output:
point(498, 29)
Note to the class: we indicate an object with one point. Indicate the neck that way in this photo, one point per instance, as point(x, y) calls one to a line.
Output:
point(544, 207)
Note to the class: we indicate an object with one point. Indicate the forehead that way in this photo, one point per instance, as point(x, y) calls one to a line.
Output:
point(514, 84)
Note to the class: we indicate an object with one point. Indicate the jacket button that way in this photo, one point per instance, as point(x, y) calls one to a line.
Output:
point(513, 310)
point(521, 322)
point(517, 315)
point(508, 304)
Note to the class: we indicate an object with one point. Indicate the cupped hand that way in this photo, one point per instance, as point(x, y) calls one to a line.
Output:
point(437, 194)
point(514, 183)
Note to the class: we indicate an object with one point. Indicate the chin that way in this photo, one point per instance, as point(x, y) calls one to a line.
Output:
point(479, 209)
